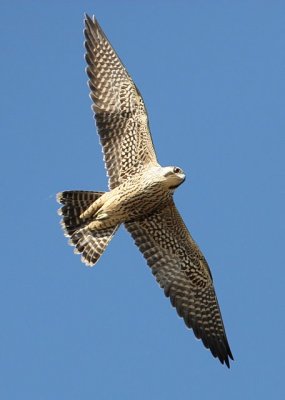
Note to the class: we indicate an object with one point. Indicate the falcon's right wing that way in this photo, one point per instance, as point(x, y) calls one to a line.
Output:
point(120, 113)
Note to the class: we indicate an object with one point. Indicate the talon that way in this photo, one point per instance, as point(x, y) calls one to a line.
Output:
point(101, 216)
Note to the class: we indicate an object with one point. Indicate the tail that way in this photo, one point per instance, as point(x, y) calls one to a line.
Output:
point(91, 244)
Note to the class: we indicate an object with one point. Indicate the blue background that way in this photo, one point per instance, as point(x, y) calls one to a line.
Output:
point(212, 74)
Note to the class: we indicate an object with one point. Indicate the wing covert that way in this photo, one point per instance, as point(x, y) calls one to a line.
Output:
point(120, 114)
point(182, 271)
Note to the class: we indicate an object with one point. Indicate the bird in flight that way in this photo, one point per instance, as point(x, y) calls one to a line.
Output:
point(140, 196)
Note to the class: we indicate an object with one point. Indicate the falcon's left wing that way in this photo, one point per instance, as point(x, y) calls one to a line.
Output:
point(182, 271)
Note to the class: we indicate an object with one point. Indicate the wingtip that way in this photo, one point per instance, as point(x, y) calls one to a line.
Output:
point(230, 355)
point(226, 354)
point(227, 357)
point(227, 362)
point(89, 20)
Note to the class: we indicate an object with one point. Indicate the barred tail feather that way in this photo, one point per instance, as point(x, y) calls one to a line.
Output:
point(91, 244)
point(75, 202)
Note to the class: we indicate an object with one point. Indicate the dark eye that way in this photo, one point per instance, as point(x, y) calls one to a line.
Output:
point(176, 170)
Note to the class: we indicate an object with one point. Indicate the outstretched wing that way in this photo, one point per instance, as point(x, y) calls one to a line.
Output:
point(182, 271)
point(120, 113)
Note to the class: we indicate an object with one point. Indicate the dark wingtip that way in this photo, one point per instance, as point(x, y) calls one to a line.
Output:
point(230, 354)
point(90, 21)
point(227, 356)
point(227, 362)
point(88, 18)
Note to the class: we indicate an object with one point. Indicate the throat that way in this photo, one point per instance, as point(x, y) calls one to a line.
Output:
point(172, 188)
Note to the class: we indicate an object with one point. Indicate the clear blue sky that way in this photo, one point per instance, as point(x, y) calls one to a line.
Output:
point(212, 74)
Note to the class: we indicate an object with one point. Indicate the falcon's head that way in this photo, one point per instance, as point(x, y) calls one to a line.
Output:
point(174, 176)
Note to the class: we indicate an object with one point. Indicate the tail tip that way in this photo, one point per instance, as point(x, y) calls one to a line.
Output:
point(59, 197)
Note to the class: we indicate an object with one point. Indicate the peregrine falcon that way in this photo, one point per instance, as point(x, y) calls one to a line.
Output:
point(140, 196)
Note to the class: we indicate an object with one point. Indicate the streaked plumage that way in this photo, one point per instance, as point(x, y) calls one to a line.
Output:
point(140, 197)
